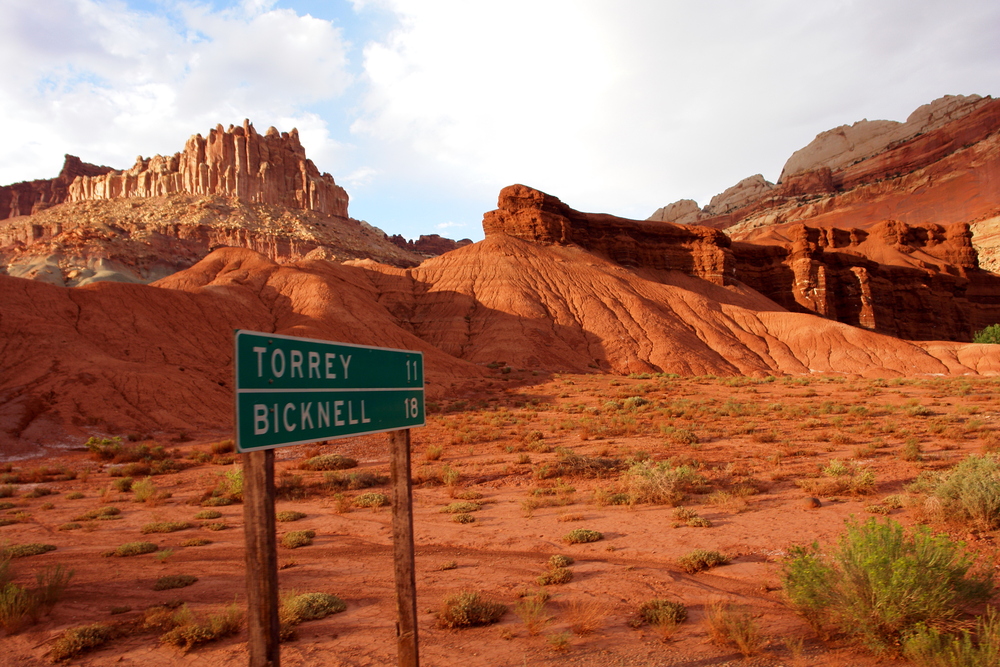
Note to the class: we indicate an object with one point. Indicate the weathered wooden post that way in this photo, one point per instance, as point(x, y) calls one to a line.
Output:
point(293, 391)
point(402, 549)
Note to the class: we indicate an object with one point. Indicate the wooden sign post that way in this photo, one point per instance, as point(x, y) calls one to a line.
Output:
point(293, 391)
point(402, 549)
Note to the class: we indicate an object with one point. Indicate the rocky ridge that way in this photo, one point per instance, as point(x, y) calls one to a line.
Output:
point(919, 282)
point(233, 187)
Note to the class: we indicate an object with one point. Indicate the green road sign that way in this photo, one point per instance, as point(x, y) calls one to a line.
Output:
point(291, 391)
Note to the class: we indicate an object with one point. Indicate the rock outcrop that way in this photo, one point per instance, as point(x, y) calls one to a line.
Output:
point(428, 245)
point(233, 188)
point(532, 215)
point(914, 282)
point(750, 189)
point(238, 162)
point(30, 197)
point(846, 145)
point(681, 212)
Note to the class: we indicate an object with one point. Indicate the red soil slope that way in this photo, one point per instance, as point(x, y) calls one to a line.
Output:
point(121, 358)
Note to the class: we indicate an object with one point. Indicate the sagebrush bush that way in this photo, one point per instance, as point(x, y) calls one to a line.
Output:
point(371, 499)
point(174, 581)
point(25, 550)
point(298, 538)
point(468, 609)
point(928, 647)
point(734, 625)
point(881, 582)
point(661, 483)
point(188, 632)
point(133, 549)
point(660, 612)
point(701, 559)
point(328, 462)
point(75, 641)
point(165, 527)
point(297, 608)
point(971, 491)
point(555, 576)
point(582, 535)
point(289, 515)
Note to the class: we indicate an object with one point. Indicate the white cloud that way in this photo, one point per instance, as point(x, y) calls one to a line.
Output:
point(100, 80)
point(625, 106)
point(450, 225)
point(360, 177)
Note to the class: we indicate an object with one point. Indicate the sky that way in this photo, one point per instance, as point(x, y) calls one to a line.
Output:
point(424, 109)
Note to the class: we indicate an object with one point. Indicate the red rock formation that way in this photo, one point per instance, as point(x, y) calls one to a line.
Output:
point(532, 215)
point(914, 282)
point(31, 197)
point(429, 245)
point(270, 169)
point(113, 358)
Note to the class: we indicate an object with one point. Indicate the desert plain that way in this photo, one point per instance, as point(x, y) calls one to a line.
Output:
point(525, 458)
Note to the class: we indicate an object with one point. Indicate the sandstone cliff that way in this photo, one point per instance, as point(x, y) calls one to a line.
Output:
point(531, 215)
point(30, 197)
point(269, 169)
point(428, 245)
point(233, 187)
point(919, 282)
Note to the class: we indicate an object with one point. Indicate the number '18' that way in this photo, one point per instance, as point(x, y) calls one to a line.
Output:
point(410, 408)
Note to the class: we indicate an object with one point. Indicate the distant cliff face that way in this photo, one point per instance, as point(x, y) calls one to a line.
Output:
point(30, 197)
point(532, 215)
point(261, 169)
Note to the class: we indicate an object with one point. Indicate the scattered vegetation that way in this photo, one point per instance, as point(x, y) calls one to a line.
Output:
point(165, 527)
point(298, 538)
point(582, 535)
point(289, 515)
point(297, 608)
point(25, 550)
point(75, 641)
point(468, 609)
point(132, 549)
point(734, 625)
point(882, 583)
point(372, 499)
point(188, 631)
point(701, 559)
point(328, 462)
point(174, 581)
point(990, 335)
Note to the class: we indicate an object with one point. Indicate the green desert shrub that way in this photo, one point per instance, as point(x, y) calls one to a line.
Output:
point(372, 499)
point(196, 542)
point(701, 559)
point(208, 515)
point(188, 631)
point(298, 538)
point(989, 335)
point(971, 491)
point(661, 483)
point(555, 576)
point(467, 609)
point(328, 462)
point(559, 560)
point(661, 612)
point(174, 581)
point(100, 514)
point(930, 647)
point(582, 535)
point(75, 641)
point(165, 527)
point(133, 549)
point(463, 518)
point(24, 550)
point(289, 515)
point(461, 507)
point(881, 582)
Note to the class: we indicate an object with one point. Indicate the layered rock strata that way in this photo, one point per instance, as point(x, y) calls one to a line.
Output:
point(30, 197)
point(262, 169)
point(532, 215)
point(915, 282)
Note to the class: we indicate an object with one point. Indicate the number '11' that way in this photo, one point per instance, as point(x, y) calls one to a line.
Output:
point(412, 375)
